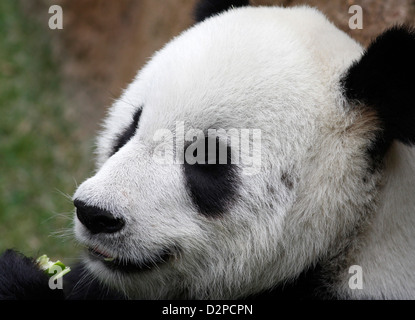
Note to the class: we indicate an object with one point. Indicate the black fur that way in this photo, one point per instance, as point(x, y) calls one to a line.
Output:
point(128, 132)
point(384, 79)
point(207, 8)
point(311, 284)
point(21, 279)
point(79, 284)
point(212, 186)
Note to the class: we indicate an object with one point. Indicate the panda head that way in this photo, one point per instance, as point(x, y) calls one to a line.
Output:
point(312, 114)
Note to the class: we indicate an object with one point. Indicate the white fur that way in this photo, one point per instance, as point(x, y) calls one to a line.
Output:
point(387, 252)
point(272, 69)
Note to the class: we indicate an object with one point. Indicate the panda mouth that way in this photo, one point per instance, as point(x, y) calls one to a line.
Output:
point(129, 266)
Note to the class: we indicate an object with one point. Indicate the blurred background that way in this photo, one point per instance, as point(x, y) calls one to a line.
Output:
point(56, 85)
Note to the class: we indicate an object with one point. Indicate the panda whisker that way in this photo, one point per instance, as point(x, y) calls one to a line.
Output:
point(64, 234)
point(65, 195)
point(83, 284)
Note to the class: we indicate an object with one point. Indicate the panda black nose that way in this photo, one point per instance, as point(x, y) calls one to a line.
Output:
point(97, 220)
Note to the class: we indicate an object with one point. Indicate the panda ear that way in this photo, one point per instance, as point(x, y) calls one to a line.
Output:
point(384, 79)
point(207, 8)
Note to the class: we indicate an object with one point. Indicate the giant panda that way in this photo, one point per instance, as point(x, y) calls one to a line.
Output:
point(332, 186)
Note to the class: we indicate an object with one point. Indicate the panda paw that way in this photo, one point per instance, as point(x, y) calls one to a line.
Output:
point(21, 279)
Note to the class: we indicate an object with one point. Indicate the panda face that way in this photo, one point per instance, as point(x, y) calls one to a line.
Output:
point(180, 230)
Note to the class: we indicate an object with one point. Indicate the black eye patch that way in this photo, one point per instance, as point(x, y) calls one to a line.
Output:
point(128, 132)
point(212, 186)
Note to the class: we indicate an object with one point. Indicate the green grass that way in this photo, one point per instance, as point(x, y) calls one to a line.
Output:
point(40, 157)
